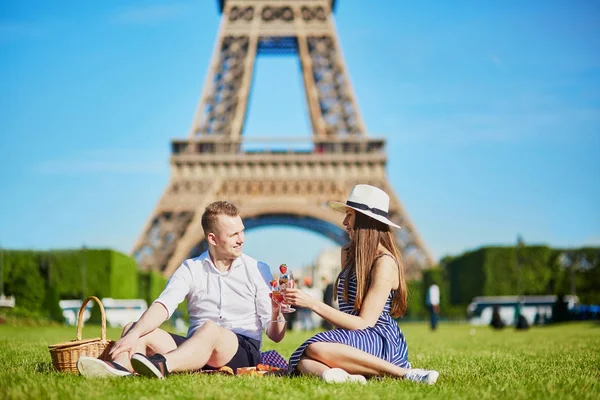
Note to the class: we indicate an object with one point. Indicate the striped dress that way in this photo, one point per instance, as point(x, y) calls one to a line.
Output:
point(384, 340)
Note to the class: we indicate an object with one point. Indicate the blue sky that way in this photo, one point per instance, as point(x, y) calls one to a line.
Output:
point(491, 111)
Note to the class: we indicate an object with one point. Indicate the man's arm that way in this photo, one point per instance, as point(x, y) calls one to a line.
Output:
point(159, 311)
point(276, 330)
point(151, 319)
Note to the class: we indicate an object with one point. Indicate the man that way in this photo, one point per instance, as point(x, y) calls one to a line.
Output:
point(228, 299)
point(433, 305)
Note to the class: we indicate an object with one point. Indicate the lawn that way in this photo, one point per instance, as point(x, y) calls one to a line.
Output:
point(560, 362)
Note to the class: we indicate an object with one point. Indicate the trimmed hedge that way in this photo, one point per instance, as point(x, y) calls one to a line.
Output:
point(123, 276)
point(38, 279)
point(23, 278)
point(150, 285)
point(586, 264)
point(532, 270)
point(416, 308)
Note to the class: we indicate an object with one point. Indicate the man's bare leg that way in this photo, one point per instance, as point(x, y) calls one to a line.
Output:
point(157, 341)
point(210, 344)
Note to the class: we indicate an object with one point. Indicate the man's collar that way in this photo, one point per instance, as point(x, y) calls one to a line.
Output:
point(205, 258)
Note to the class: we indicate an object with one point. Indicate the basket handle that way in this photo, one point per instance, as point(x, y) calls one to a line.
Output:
point(80, 318)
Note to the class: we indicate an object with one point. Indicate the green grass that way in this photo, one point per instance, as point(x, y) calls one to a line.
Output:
point(560, 362)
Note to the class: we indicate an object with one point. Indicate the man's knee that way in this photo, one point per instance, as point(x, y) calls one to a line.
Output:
point(127, 328)
point(208, 329)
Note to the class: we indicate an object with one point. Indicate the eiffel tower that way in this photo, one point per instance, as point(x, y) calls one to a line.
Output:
point(271, 186)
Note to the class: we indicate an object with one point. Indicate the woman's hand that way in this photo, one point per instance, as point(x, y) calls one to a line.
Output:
point(126, 344)
point(298, 298)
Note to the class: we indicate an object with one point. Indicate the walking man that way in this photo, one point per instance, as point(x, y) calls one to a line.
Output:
point(433, 305)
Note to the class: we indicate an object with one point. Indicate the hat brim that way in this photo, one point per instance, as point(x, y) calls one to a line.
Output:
point(342, 207)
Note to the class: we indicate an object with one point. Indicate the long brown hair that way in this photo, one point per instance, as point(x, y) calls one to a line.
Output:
point(361, 254)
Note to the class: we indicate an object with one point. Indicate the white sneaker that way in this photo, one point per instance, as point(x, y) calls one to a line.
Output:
point(421, 375)
point(338, 375)
point(95, 368)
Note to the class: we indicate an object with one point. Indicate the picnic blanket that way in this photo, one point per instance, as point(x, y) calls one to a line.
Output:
point(273, 358)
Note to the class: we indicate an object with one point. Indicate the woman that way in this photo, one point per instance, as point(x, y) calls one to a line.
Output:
point(371, 291)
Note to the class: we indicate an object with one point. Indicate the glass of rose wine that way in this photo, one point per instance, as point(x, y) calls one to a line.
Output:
point(277, 297)
point(286, 280)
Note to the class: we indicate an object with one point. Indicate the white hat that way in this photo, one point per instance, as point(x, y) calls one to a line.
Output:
point(368, 200)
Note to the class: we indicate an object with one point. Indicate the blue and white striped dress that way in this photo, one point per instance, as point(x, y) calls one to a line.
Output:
point(384, 340)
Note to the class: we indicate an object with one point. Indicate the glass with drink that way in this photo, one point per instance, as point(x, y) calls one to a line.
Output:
point(277, 297)
point(286, 280)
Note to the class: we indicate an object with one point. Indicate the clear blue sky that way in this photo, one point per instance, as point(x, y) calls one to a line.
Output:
point(491, 111)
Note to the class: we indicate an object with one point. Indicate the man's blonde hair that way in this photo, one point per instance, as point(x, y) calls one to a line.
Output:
point(213, 210)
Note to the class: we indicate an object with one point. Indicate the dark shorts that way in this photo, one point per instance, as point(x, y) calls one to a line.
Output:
point(247, 355)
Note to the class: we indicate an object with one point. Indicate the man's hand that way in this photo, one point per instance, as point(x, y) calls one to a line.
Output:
point(298, 298)
point(275, 307)
point(276, 329)
point(126, 344)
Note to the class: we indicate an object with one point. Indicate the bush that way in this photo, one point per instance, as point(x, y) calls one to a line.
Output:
point(465, 277)
point(123, 276)
point(416, 309)
point(533, 270)
point(39, 279)
point(22, 279)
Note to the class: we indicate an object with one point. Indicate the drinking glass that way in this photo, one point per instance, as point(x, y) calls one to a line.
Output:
point(278, 298)
point(286, 280)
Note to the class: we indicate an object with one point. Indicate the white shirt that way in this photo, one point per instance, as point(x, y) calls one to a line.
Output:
point(237, 300)
point(433, 295)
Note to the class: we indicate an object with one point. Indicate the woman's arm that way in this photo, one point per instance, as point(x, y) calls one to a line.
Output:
point(384, 276)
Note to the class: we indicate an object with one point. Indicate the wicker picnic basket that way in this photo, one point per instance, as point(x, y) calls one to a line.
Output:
point(65, 355)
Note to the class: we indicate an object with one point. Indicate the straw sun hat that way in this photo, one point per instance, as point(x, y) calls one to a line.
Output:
point(368, 200)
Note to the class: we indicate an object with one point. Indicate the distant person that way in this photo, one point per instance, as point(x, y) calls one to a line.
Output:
point(560, 309)
point(521, 322)
point(497, 322)
point(433, 305)
point(539, 317)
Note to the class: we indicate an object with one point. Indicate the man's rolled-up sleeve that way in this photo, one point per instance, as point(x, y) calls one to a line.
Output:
point(178, 287)
point(263, 301)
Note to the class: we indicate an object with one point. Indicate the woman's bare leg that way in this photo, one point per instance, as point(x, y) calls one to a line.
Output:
point(308, 366)
point(350, 359)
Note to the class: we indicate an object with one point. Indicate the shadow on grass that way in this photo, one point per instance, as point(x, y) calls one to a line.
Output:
point(45, 368)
